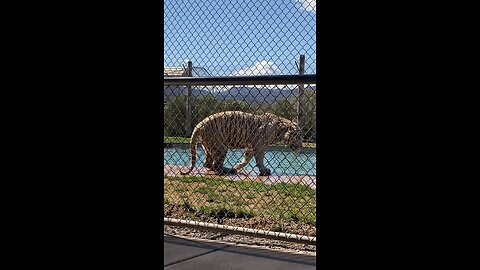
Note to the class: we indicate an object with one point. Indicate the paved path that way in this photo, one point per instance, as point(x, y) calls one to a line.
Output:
point(311, 181)
point(182, 254)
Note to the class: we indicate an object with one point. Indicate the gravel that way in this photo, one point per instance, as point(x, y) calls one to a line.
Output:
point(242, 240)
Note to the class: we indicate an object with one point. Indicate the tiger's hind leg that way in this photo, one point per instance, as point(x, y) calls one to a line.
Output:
point(209, 162)
point(209, 158)
point(219, 158)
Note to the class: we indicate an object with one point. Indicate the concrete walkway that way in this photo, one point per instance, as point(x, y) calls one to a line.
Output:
point(308, 180)
point(182, 254)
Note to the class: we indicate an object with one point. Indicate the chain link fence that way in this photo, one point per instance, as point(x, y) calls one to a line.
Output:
point(254, 169)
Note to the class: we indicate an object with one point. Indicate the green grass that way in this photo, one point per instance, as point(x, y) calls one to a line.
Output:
point(167, 139)
point(217, 196)
point(180, 189)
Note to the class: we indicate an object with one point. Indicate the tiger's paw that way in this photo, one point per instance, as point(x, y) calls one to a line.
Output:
point(265, 172)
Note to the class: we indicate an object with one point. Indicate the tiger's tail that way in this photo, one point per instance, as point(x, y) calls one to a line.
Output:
point(193, 151)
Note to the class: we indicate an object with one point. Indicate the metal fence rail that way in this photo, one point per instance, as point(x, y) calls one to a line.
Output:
point(242, 231)
point(241, 80)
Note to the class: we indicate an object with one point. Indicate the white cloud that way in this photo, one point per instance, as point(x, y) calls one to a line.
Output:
point(259, 68)
point(308, 5)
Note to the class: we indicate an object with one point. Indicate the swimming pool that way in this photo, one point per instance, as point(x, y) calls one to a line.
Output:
point(279, 160)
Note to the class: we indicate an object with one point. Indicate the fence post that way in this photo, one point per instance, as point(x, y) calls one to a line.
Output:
point(301, 87)
point(188, 121)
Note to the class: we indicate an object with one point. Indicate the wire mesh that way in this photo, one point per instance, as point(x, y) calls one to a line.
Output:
point(254, 164)
point(241, 38)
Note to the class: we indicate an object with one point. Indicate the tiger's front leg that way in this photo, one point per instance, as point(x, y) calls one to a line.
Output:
point(247, 156)
point(259, 155)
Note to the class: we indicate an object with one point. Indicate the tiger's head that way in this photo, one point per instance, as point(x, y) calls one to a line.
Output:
point(282, 128)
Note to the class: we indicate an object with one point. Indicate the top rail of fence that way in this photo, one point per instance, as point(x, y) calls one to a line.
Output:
point(241, 80)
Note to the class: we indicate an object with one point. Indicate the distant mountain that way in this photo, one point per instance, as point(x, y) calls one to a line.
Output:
point(255, 95)
point(172, 92)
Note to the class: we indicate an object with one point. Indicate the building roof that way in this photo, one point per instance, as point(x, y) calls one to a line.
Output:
point(182, 72)
point(174, 71)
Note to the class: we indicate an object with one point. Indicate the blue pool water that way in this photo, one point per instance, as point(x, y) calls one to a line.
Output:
point(278, 161)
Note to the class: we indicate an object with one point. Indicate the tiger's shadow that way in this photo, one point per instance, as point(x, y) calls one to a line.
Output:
point(233, 172)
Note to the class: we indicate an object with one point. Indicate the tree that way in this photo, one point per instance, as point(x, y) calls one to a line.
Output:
point(285, 108)
point(310, 115)
point(175, 112)
point(288, 109)
point(175, 115)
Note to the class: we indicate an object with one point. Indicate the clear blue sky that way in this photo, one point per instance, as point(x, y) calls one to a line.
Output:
point(243, 37)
